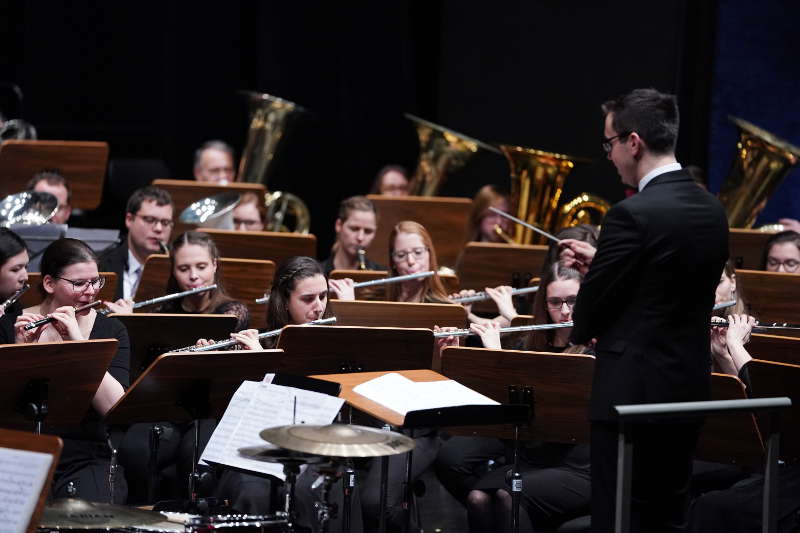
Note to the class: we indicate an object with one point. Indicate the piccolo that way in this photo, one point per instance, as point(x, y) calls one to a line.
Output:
point(167, 297)
point(14, 297)
point(762, 327)
point(381, 281)
point(274, 333)
point(47, 320)
point(480, 296)
point(512, 329)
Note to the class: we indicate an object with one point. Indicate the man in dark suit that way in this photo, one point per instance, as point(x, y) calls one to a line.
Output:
point(647, 300)
point(148, 219)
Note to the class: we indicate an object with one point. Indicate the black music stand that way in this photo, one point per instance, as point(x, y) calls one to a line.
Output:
point(153, 334)
point(189, 386)
point(55, 381)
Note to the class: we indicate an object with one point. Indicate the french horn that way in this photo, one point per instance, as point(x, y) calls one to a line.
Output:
point(761, 163)
point(441, 151)
point(269, 117)
point(537, 182)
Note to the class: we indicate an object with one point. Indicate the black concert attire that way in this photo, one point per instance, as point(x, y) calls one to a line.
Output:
point(229, 307)
point(647, 299)
point(83, 469)
point(115, 260)
point(327, 265)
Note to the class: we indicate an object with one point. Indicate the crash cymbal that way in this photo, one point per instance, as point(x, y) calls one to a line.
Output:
point(338, 440)
point(72, 513)
point(273, 454)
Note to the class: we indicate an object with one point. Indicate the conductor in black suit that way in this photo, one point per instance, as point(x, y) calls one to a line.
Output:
point(148, 219)
point(647, 300)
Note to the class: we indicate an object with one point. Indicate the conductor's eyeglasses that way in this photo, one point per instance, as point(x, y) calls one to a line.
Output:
point(608, 142)
point(790, 265)
point(556, 303)
point(418, 252)
point(152, 221)
point(80, 285)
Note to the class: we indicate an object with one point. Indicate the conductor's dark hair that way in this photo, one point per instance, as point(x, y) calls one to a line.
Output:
point(149, 193)
point(781, 237)
point(288, 274)
point(62, 253)
point(651, 114)
point(11, 244)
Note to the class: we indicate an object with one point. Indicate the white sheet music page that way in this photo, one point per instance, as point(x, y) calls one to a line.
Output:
point(22, 477)
point(400, 394)
point(261, 406)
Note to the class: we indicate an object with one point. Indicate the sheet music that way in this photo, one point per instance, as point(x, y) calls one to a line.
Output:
point(402, 395)
point(22, 477)
point(256, 406)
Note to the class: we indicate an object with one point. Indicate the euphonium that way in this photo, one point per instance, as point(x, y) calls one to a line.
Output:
point(269, 116)
point(537, 181)
point(440, 151)
point(762, 161)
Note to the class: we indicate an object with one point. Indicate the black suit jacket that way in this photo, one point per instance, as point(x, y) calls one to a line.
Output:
point(116, 260)
point(648, 295)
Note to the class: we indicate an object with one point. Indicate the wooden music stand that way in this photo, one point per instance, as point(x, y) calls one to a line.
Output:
point(444, 218)
point(398, 314)
point(374, 293)
point(772, 296)
point(776, 348)
point(186, 192)
point(47, 444)
point(185, 386)
point(63, 375)
point(152, 334)
point(270, 245)
point(335, 349)
point(768, 380)
point(747, 247)
point(244, 280)
point(34, 297)
point(82, 163)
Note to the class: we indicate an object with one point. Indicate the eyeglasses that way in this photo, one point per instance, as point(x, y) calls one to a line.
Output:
point(152, 221)
point(790, 265)
point(556, 303)
point(80, 285)
point(608, 144)
point(418, 252)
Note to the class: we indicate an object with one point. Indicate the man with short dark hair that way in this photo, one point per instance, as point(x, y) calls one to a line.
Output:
point(647, 300)
point(54, 183)
point(213, 162)
point(148, 219)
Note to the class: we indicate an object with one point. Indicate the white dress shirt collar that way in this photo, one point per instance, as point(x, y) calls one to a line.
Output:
point(657, 172)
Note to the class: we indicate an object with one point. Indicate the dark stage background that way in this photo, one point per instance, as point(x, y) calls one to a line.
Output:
point(156, 79)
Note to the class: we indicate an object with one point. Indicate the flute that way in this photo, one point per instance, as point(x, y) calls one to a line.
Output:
point(512, 329)
point(14, 297)
point(274, 333)
point(49, 319)
point(167, 297)
point(480, 296)
point(381, 281)
point(762, 327)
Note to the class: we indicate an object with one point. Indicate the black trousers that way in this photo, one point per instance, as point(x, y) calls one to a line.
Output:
point(83, 472)
point(662, 467)
point(462, 461)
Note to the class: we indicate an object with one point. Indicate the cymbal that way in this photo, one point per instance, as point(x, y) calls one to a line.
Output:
point(338, 440)
point(273, 454)
point(72, 513)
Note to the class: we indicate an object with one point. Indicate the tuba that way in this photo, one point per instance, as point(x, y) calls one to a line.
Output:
point(440, 151)
point(537, 182)
point(269, 116)
point(762, 161)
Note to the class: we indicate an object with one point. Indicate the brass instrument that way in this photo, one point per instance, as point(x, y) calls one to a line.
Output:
point(17, 129)
point(362, 259)
point(537, 182)
point(212, 212)
point(762, 161)
point(440, 151)
point(269, 116)
point(27, 208)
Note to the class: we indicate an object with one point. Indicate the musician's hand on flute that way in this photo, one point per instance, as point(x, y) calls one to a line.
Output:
point(248, 339)
point(66, 323)
point(204, 342)
point(464, 293)
point(123, 306)
point(739, 329)
point(489, 334)
point(444, 342)
point(342, 288)
point(21, 335)
point(576, 254)
point(502, 298)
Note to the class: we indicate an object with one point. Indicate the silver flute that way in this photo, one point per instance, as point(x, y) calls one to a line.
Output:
point(512, 329)
point(381, 281)
point(274, 333)
point(480, 296)
point(14, 297)
point(166, 297)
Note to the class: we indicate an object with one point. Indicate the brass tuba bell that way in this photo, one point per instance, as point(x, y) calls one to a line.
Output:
point(762, 161)
point(440, 151)
point(537, 181)
point(269, 116)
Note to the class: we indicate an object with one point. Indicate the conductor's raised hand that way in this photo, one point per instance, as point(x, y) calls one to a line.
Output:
point(343, 288)
point(576, 254)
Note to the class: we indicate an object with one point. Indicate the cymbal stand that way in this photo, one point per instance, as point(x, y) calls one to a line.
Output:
point(384, 495)
point(517, 394)
point(33, 403)
point(349, 486)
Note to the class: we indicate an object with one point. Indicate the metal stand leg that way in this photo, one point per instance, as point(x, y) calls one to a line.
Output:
point(622, 520)
point(769, 520)
point(194, 476)
point(407, 489)
point(349, 485)
point(516, 485)
point(152, 465)
point(384, 496)
point(112, 469)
